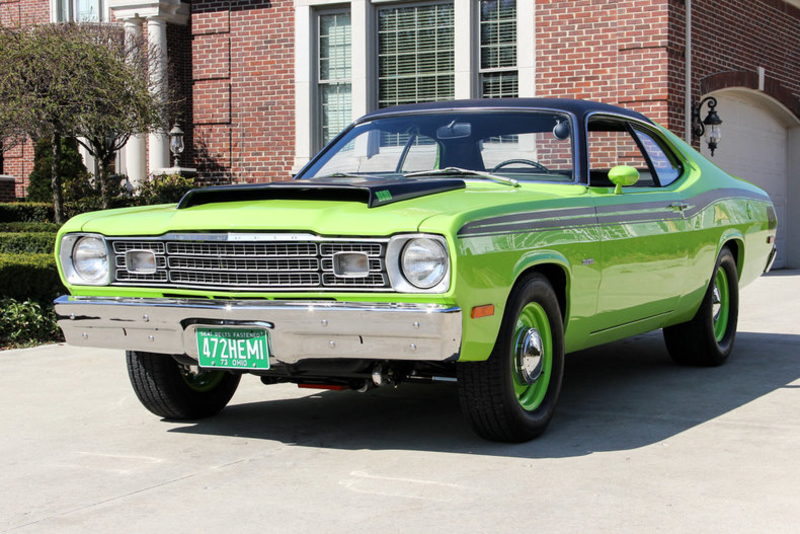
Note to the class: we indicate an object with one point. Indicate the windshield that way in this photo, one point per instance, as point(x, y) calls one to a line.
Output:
point(517, 145)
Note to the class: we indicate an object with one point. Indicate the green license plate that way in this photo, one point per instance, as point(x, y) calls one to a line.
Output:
point(233, 348)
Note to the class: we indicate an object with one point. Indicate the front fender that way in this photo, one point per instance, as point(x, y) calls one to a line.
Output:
point(483, 282)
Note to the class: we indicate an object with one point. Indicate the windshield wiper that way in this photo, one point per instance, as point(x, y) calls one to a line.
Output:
point(469, 172)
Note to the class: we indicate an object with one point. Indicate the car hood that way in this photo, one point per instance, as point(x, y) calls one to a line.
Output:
point(443, 212)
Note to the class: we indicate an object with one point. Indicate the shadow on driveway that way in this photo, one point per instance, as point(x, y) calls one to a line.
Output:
point(620, 396)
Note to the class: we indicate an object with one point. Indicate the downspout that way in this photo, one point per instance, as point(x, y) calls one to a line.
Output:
point(688, 69)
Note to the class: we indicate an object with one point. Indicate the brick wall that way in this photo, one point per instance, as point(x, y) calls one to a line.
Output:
point(18, 161)
point(14, 13)
point(613, 52)
point(243, 89)
point(631, 52)
point(740, 36)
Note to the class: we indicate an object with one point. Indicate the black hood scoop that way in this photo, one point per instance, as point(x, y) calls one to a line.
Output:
point(372, 192)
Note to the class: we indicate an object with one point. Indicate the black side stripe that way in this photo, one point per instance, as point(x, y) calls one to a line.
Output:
point(537, 221)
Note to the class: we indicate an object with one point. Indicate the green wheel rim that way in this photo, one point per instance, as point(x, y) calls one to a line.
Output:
point(720, 304)
point(203, 382)
point(530, 396)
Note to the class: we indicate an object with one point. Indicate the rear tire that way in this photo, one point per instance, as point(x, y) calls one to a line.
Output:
point(512, 396)
point(169, 390)
point(707, 339)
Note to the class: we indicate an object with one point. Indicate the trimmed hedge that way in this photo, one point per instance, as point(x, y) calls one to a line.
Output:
point(26, 212)
point(30, 277)
point(27, 243)
point(29, 227)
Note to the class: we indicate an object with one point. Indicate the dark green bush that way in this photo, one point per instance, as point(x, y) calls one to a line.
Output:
point(29, 227)
point(28, 322)
point(29, 277)
point(26, 212)
point(40, 188)
point(27, 242)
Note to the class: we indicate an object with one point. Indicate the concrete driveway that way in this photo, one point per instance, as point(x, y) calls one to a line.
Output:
point(637, 445)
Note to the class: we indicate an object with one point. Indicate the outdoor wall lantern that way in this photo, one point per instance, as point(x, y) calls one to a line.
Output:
point(176, 142)
point(712, 120)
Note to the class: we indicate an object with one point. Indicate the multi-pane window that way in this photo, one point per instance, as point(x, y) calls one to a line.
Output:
point(79, 11)
point(498, 53)
point(335, 89)
point(416, 54)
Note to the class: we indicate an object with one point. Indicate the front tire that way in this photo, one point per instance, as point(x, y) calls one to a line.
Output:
point(169, 390)
point(512, 396)
point(707, 339)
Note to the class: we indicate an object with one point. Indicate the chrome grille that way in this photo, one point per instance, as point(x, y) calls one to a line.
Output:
point(373, 280)
point(121, 247)
point(247, 250)
point(124, 276)
point(227, 264)
point(371, 249)
point(252, 264)
point(244, 279)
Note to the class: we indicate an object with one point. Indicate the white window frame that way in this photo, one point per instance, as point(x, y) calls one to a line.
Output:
point(317, 105)
point(480, 70)
point(364, 80)
point(54, 11)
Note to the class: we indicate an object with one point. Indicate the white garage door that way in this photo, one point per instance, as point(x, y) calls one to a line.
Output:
point(754, 147)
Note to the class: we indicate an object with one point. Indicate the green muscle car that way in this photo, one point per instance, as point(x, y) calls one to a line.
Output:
point(470, 241)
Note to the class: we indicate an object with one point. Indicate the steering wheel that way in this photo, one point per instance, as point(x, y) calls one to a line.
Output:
point(532, 163)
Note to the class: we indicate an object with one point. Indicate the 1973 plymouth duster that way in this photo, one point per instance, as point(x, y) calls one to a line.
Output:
point(477, 241)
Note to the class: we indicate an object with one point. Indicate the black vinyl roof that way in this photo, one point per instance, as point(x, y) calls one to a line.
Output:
point(580, 108)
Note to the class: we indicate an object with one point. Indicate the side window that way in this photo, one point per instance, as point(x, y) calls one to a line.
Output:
point(665, 164)
point(610, 144)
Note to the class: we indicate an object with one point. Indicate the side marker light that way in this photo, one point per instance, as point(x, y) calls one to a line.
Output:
point(483, 311)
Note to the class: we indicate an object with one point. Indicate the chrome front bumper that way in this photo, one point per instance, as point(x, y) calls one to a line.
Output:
point(298, 330)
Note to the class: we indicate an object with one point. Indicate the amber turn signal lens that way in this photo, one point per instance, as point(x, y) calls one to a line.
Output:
point(482, 311)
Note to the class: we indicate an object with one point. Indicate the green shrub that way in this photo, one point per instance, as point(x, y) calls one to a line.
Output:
point(29, 277)
point(86, 204)
point(26, 212)
point(29, 227)
point(164, 189)
point(23, 323)
point(27, 242)
point(40, 188)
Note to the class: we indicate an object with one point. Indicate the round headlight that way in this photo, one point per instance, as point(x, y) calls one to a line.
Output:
point(90, 259)
point(424, 262)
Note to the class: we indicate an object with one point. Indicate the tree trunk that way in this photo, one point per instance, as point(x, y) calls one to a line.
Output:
point(55, 179)
point(105, 182)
